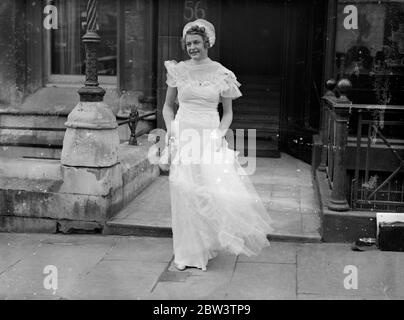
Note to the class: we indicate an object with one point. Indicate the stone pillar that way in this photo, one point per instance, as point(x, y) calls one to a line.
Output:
point(91, 138)
point(338, 200)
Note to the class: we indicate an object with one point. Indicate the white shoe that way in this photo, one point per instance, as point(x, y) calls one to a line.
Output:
point(180, 267)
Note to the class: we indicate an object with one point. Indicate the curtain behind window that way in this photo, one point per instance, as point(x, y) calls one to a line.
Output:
point(67, 49)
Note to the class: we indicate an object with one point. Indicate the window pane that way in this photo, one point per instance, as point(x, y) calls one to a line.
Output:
point(67, 49)
point(370, 49)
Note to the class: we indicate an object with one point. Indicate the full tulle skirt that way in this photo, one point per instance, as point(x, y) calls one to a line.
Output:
point(214, 205)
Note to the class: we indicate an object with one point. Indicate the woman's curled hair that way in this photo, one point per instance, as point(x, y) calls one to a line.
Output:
point(199, 31)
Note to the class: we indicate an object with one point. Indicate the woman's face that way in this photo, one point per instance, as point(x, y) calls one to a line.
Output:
point(195, 47)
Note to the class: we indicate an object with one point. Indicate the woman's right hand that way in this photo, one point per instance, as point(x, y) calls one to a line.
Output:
point(169, 138)
point(172, 132)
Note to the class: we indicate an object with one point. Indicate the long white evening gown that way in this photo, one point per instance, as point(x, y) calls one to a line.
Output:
point(213, 206)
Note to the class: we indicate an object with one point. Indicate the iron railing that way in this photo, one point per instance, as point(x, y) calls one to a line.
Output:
point(132, 122)
point(362, 154)
point(378, 186)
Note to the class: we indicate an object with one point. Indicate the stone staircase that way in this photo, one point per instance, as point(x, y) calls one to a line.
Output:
point(40, 135)
point(35, 129)
point(258, 109)
point(41, 195)
point(31, 135)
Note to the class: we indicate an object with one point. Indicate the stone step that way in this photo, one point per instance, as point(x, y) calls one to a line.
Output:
point(31, 135)
point(256, 118)
point(149, 214)
point(132, 229)
point(260, 134)
point(37, 195)
point(260, 84)
point(36, 138)
point(264, 101)
point(32, 121)
point(267, 153)
point(259, 81)
point(255, 110)
point(261, 144)
point(260, 90)
point(266, 145)
point(253, 124)
point(30, 152)
point(40, 135)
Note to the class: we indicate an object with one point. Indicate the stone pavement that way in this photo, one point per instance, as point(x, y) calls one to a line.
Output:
point(284, 185)
point(116, 267)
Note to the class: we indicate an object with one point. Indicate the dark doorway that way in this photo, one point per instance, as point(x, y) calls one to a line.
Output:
point(302, 75)
point(276, 50)
point(251, 41)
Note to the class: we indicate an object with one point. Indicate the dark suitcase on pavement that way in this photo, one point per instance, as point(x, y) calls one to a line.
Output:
point(391, 236)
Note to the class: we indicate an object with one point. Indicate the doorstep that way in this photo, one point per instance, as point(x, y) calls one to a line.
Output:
point(284, 184)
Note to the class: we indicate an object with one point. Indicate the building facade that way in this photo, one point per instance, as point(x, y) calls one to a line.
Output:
point(282, 52)
point(276, 49)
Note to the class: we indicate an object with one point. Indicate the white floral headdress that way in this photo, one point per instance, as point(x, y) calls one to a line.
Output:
point(209, 29)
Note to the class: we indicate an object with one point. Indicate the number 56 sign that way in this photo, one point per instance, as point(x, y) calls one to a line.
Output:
point(194, 10)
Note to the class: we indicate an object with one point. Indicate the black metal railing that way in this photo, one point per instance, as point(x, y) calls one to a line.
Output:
point(132, 122)
point(334, 117)
point(363, 151)
point(378, 181)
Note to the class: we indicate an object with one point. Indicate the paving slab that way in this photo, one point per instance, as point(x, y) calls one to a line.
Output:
point(311, 224)
point(310, 296)
point(322, 270)
point(289, 192)
point(194, 283)
point(71, 257)
point(285, 181)
point(277, 252)
point(306, 191)
point(152, 207)
point(263, 190)
point(111, 279)
point(285, 204)
point(30, 296)
point(263, 281)
point(14, 248)
point(115, 267)
point(308, 204)
point(141, 249)
point(286, 221)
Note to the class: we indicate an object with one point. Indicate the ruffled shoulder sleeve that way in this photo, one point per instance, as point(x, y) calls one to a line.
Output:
point(172, 73)
point(229, 86)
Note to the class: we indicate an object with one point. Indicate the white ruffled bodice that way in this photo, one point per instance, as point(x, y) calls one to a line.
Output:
point(201, 87)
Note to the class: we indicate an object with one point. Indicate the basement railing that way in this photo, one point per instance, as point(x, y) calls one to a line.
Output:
point(363, 152)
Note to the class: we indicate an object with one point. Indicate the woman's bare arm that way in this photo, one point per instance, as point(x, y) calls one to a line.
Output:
point(168, 108)
point(227, 117)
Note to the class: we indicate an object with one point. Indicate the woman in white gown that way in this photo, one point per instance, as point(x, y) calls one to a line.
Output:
point(214, 205)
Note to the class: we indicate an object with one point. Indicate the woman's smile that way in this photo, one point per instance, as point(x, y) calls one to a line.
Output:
point(195, 47)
